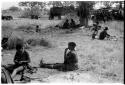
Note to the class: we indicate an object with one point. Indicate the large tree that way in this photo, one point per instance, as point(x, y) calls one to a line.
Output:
point(30, 5)
point(32, 8)
point(83, 11)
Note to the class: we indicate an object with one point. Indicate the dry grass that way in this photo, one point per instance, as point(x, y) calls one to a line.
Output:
point(13, 40)
point(40, 42)
point(6, 30)
point(101, 58)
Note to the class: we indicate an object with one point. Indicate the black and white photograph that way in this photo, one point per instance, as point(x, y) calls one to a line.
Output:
point(62, 41)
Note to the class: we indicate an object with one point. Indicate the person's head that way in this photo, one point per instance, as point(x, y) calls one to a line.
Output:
point(71, 45)
point(37, 26)
point(106, 28)
point(20, 47)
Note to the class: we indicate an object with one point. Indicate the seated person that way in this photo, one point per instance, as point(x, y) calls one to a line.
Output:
point(72, 23)
point(70, 60)
point(21, 59)
point(70, 57)
point(37, 28)
point(104, 34)
point(66, 24)
point(95, 29)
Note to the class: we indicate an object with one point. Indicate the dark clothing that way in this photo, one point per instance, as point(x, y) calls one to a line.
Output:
point(71, 58)
point(21, 57)
point(65, 25)
point(103, 34)
point(96, 28)
point(72, 24)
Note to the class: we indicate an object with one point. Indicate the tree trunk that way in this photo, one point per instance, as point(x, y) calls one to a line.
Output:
point(83, 13)
point(84, 21)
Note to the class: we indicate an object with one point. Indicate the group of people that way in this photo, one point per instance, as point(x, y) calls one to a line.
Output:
point(68, 25)
point(22, 60)
point(102, 34)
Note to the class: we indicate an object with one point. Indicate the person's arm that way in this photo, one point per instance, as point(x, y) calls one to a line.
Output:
point(15, 58)
point(65, 53)
point(107, 34)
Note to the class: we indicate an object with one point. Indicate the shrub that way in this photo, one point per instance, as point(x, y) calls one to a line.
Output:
point(13, 9)
point(28, 12)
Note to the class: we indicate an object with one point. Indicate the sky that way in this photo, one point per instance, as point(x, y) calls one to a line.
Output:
point(6, 5)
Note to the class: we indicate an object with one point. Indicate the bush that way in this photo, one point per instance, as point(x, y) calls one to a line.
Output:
point(28, 12)
point(13, 9)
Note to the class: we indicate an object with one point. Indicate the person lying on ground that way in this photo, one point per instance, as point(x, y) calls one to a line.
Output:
point(104, 34)
point(70, 60)
point(21, 59)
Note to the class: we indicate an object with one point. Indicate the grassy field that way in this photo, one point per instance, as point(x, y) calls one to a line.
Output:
point(99, 61)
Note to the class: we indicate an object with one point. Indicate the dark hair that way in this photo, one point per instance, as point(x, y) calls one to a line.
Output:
point(19, 46)
point(72, 44)
point(37, 26)
point(106, 28)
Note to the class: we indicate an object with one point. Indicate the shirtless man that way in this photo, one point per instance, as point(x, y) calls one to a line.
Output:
point(70, 60)
point(70, 57)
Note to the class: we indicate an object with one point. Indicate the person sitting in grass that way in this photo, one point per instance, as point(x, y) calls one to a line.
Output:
point(104, 34)
point(72, 23)
point(66, 24)
point(70, 57)
point(95, 29)
point(70, 60)
point(21, 60)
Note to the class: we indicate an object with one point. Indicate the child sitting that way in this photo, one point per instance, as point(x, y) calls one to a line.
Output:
point(21, 59)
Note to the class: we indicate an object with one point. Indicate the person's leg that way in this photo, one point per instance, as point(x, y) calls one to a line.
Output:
point(47, 66)
point(20, 68)
point(58, 66)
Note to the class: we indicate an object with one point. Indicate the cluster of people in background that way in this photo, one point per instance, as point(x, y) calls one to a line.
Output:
point(103, 34)
point(68, 25)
